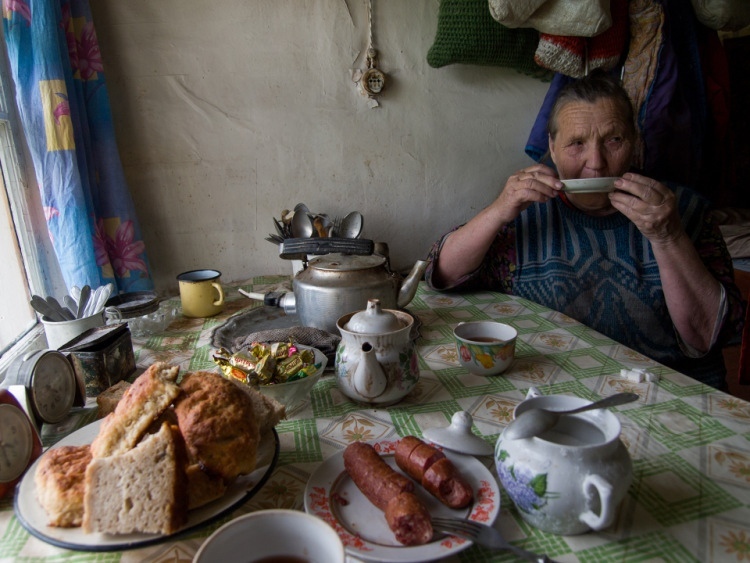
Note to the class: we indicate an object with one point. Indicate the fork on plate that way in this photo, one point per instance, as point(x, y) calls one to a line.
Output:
point(485, 536)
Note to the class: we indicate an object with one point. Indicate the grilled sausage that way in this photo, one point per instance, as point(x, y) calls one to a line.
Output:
point(409, 519)
point(444, 481)
point(414, 457)
point(429, 466)
point(374, 477)
point(390, 491)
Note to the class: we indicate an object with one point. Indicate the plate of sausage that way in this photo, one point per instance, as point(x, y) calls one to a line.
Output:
point(381, 496)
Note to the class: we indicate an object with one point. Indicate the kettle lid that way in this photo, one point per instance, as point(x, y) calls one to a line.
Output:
point(346, 262)
point(373, 320)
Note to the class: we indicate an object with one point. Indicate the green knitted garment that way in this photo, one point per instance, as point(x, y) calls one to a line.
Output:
point(468, 34)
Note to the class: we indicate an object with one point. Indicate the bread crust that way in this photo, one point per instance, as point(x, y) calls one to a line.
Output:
point(107, 400)
point(150, 395)
point(268, 411)
point(218, 424)
point(202, 486)
point(59, 480)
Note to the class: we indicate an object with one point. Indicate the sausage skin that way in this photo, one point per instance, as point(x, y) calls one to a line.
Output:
point(409, 519)
point(429, 466)
point(443, 480)
point(373, 476)
point(419, 458)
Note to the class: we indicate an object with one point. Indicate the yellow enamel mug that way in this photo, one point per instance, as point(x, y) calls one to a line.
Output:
point(201, 293)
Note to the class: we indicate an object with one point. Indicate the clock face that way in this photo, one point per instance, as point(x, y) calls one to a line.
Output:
point(16, 442)
point(53, 388)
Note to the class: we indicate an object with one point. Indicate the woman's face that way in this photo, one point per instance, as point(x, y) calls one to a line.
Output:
point(592, 141)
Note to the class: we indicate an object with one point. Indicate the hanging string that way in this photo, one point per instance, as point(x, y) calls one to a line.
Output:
point(370, 44)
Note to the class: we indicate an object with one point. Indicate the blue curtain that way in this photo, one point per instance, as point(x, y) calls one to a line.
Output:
point(65, 112)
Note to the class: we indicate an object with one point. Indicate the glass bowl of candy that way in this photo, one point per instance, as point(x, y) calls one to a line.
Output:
point(286, 372)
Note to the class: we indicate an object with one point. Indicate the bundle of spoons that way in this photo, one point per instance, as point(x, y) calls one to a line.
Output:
point(81, 303)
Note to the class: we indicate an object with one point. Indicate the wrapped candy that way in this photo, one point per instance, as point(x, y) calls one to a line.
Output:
point(267, 364)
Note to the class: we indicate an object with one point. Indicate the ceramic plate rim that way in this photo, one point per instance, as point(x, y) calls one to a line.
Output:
point(590, 185)
point(33, 518)
point(328, 476)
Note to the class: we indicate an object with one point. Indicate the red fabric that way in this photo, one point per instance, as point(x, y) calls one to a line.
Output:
point(606, 49)
point(566, 55)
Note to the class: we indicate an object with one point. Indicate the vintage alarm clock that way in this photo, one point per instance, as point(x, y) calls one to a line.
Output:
point(20, 444)
point(49, 383)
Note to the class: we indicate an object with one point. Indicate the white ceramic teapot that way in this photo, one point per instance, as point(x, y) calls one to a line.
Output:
point(376, 362)
point(570, 479)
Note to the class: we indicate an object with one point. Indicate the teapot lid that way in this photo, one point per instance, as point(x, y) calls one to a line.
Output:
point(373, 320)
point(346, 262)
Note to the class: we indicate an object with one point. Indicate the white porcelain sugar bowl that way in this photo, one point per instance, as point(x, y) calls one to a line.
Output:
point(571, 478)
point(376, 362)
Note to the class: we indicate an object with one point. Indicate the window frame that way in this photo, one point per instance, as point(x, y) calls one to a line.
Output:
point(41, 271)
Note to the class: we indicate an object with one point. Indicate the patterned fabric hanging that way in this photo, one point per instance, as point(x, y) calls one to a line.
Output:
point(65, 113)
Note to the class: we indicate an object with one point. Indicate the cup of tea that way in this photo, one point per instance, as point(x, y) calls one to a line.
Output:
point(201, 293)
point(485, 347)
point(273, 535)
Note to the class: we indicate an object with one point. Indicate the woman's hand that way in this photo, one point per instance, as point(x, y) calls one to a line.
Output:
point(651, 206)
point(464, 249)
point(692, 294)
point(537, 183)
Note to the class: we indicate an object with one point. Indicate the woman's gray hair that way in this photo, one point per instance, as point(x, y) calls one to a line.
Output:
point(591, 88)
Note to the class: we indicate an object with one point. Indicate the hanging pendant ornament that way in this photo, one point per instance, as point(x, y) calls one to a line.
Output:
point(372, 80)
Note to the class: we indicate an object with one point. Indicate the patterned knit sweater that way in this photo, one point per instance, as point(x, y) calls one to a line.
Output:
point(602, 271)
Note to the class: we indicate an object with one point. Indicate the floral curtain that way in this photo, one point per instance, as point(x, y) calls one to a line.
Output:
point(64, 107)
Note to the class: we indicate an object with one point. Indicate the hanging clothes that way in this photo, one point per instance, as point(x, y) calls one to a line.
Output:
point(667, 73)
point(65, 113)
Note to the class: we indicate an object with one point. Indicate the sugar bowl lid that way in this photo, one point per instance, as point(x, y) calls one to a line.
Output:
point(373, 320)
point(458, 436)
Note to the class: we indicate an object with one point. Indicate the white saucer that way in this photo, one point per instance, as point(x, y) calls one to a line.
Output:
point(590, 185)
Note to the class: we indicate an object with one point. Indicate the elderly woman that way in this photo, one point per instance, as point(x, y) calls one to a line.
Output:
point(643, 264)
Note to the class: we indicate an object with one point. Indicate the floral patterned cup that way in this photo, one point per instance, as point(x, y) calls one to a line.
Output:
point(485, 347)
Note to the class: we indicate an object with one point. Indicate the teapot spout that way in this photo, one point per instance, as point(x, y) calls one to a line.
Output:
point(410, 284)
point(369, 379)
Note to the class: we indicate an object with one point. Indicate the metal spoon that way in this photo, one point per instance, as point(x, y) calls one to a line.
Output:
point(71, 304)
point(83, 300)
point(62, 311)
point(351, 225)
point(534, 422)
point(45, 309)
point(302, 226)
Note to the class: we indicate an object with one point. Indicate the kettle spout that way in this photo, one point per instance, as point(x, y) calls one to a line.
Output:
point(410, 284)
point(369, 379)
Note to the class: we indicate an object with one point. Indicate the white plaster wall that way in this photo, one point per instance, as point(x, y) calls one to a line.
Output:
point(228, 112)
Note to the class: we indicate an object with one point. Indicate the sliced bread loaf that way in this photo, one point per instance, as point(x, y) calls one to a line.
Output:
point(141, 404)
point(143, 490)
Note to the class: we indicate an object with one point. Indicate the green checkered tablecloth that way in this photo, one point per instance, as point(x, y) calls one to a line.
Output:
point(690, 445)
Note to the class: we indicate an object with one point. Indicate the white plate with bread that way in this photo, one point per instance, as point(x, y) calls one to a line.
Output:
point(170, 458)
point(34, 518)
